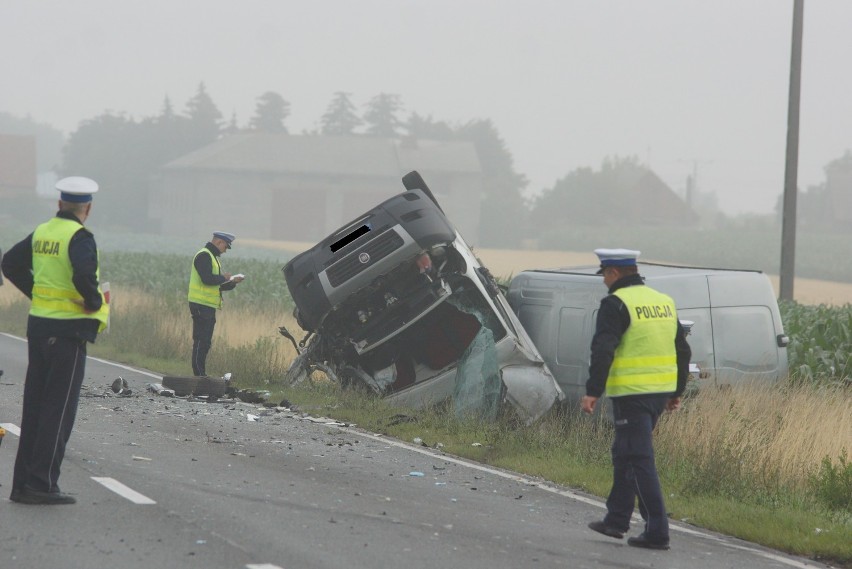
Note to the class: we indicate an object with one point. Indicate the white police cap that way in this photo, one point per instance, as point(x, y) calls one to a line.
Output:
point(76, 189)
point(228, 238)
point(616, 257)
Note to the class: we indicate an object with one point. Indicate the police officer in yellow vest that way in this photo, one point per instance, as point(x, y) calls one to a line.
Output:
point(640, 360)
point(206, 283)
point(57, 267)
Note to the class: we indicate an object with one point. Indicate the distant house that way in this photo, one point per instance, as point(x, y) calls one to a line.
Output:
point(827, 207)
point(838, 185)
point(623, 194)
point(303, 187)
point(643, 198)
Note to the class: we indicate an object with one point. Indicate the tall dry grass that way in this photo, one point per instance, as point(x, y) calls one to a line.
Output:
point(161, 327)
point(772, 437)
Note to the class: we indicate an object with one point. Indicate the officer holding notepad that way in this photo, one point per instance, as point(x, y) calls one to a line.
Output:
point(207, 281)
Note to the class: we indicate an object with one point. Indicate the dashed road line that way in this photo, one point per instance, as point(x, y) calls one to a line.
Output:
point(99, 360)
point(128, 368)
point(123, 491)
point(11, 428)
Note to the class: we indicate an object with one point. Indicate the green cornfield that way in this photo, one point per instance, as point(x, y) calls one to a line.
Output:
point(820, 341)
point(167, 275)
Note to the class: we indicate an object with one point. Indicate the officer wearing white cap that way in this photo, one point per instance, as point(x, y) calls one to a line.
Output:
point(640, 359)
point(56, 266)
point(207, 281)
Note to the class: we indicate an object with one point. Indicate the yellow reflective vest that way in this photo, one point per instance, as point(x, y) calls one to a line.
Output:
point(54, 293)
point(645, 361)
point(200, 293)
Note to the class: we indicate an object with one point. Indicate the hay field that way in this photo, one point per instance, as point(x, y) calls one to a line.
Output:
point(507, 262)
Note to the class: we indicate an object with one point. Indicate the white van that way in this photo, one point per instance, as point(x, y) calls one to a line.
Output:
point(737, 333)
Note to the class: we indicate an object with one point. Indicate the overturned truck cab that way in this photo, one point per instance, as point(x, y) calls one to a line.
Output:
point(396, 301)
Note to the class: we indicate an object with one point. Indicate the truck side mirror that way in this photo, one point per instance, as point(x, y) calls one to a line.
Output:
point(783, 340)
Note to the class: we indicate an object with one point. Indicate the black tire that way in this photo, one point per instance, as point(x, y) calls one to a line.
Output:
point(182, 385)
point(214, 387)
point(193, 385)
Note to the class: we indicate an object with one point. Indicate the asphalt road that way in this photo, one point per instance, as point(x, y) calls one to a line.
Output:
point(172, 483)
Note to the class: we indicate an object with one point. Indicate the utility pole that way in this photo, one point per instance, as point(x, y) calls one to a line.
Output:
point(791, 170)
point(691, 192)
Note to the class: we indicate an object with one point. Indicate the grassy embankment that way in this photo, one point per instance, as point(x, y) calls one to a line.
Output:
point(767, 464)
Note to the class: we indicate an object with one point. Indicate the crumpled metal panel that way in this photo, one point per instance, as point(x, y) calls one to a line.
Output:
point(530, 390)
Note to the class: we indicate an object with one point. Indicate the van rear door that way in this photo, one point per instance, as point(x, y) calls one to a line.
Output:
point(746, 327)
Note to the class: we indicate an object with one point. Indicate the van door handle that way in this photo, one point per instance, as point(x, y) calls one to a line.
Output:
point(783, 340)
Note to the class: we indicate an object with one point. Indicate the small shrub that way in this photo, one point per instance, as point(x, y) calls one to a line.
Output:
point(832, 484)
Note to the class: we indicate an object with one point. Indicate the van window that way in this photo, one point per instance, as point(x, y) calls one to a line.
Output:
point(744, 338)
point(572, 342)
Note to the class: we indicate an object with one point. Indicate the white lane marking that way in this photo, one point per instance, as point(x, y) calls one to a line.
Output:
point(262, 566)
point(574, 496)
point(128, 368)
point(13, 337)
point(11, 428)
point(107, 362)
point(123, 491)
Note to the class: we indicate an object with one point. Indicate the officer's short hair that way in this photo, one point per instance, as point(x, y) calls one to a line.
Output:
point(72, 207)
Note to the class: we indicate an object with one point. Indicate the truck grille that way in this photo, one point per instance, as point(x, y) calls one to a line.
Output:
point(350, 265)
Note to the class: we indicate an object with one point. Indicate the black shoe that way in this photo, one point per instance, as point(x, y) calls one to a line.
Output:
point(28, 495)
point(642, 541)
point(608, 531)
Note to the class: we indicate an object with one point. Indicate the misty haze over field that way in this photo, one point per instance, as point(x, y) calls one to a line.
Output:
point(686, 86)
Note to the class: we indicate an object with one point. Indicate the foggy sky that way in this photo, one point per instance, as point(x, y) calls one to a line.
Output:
point(678, 83)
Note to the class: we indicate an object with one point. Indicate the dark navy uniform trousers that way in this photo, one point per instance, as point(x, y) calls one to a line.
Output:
point(51, 395)
point(635, 473)
point(203, 323)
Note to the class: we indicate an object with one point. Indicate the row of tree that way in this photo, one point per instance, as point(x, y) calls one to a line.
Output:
point(126, 154)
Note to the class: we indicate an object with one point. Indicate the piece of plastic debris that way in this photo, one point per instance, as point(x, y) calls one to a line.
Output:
point(476, 444)
point(160, 390)
point(120, 387)
point(251, 417)
point(415, 473)
point(142, 458)
point(417, 440)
